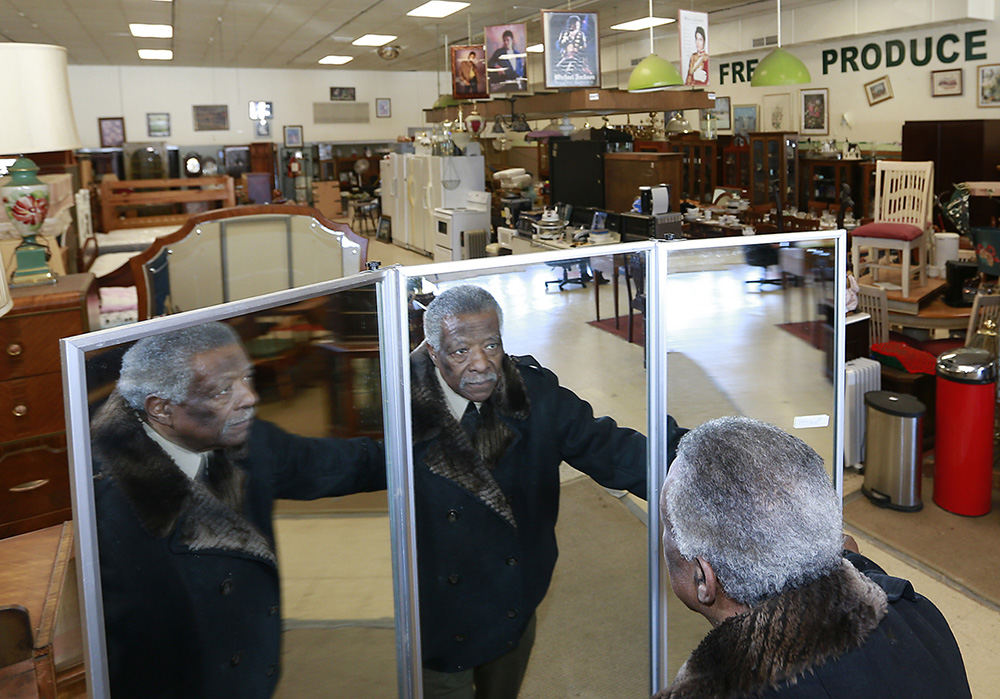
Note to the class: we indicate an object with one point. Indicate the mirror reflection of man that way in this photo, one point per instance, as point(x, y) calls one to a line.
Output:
point(505, 64)
point(184, 484)
point(489, 433)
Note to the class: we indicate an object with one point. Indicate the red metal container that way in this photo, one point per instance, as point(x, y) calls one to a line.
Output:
point(963, 443)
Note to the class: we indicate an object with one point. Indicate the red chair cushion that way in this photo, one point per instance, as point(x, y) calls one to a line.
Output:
point(900, 356)
point(896, 231)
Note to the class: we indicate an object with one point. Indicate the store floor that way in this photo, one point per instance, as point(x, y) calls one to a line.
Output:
point(347, 577)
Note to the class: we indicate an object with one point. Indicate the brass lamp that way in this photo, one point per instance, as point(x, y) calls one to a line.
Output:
point(38, 119)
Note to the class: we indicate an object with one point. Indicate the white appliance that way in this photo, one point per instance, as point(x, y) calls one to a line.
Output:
point(863, 375)
point(461, 233)
point(392, 169)
point(434, 181)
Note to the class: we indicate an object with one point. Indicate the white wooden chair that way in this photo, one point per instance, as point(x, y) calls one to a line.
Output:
point(874, 301)
point(903, 207)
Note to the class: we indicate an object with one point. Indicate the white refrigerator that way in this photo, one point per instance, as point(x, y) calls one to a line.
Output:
point(392, 169)
point(436, 181)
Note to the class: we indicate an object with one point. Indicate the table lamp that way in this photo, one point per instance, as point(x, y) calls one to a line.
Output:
point(38, 118)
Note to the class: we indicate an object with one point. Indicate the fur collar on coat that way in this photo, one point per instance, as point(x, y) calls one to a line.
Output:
point(451, 452)
point(207, 512)
point(783, 638)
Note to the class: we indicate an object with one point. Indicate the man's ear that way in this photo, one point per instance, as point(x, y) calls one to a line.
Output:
point(706, 584)
point(159, 409)
point(432, 353)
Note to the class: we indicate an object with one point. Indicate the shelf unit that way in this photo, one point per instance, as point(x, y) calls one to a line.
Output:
point(774, 159)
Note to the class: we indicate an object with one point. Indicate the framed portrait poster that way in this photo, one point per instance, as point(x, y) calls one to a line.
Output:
point(157, 124)
point(506, 58)
point(815, 112)
point(947, 83)
point(744, 118)
point(112, 130)
point(878, 90)
point(988, 94)
point(572, 55)
point(383, 107)
point(293, 136)
point(468, 72)
point(342, 94)
point(776, 113)
point(211, 117)
point(723, 113)
point(692, 30)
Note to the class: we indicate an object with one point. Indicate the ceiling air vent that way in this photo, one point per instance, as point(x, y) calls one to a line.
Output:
point(761, 42)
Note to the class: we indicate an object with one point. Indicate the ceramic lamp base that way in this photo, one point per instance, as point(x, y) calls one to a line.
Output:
point(32, 265)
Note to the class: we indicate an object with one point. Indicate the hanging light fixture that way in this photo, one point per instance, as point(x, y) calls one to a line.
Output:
point(653, 73)
point(780, 67)
point(678, 124)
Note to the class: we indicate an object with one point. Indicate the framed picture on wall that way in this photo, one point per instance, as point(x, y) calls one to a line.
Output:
point(293, 136)
point(815, 111)
point(383, 107)
point(342, 94)
point(744, 118)
point(878, 90)
point(723, 113)
point(988, 94)
point(211, 117)
point(157, 124)
point(946, 83)
point(112, 130)
point(572, 55)
point(468, 72)
point(506, 59)
point(776, 113)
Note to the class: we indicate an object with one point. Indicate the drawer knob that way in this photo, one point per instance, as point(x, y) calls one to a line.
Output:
point(20, 410)
point(29, 485)
point(15, 349)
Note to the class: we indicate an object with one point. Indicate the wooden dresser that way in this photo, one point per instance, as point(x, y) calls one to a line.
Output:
point(34, 471)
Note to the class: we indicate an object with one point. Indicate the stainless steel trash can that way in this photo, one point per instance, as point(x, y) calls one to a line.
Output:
point(893, 439)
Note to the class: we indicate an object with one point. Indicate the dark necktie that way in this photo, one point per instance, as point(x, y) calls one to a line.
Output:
point(470, 419)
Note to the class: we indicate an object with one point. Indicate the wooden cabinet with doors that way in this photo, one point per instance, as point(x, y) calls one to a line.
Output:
point(698, 167)
point(624, 173)
point(822, 179)
point(774, 162)
point(34, 471)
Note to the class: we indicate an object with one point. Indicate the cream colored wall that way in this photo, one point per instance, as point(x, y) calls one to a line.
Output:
point(132, 91)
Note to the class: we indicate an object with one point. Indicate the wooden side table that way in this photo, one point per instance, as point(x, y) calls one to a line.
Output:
point(34, 471)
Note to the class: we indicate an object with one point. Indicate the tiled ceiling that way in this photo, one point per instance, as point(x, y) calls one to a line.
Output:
point(297, 33)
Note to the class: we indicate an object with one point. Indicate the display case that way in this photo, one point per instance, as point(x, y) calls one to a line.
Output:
point(698, 167)
point(774, 161)
point(822, 179)
point(736, 165)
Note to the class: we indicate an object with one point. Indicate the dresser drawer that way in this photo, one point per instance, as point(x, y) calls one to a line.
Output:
point(30, 342)
point(31, 406)
point(34, 485)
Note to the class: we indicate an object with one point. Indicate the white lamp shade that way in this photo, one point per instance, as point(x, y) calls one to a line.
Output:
point(38, 114)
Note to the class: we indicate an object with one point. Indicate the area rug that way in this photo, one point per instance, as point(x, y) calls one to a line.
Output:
point(638, 327)
point(809, 331)
point(949, 544)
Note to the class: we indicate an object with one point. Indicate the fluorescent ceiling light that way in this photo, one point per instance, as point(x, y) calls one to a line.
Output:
point(154, 31)
point(373, 39)
point(156, 54)
point(535, 48)
point(641, 23)
point(333, 60)
point(437, 8)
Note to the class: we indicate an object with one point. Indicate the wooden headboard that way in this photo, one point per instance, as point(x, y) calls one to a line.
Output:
point(242, 252)
point(134, 195)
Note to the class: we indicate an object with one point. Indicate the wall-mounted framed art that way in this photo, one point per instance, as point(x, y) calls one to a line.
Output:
point(342, 94)
point(988, 94)
point(112, 130)
point(572, 52)
point(383, 107)
point(744, 118)
point(211, 117)
point(723, 113)
point(776, 113)
point(157, 124)
point(815, 111)
point(878, 90)
point(947, 83)
point(292, 136)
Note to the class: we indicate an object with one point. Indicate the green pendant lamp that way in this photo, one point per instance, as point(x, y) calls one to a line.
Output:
point(653, 73)
point(780, 67)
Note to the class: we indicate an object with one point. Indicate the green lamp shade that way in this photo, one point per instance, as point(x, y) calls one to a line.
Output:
point(780, 68)
point(653, 73)
point(445, 101)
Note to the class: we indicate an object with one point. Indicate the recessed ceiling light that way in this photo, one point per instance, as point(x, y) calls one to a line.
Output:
point(437, 8)
point(333, 60)
point(373, 39)
point(155, 31)
point(156, 54)
point(535, 48)
point(642, 23)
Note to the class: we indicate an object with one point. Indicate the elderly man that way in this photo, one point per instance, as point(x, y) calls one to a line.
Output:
point(489, 433)
point(184, 482)
point(752, 540)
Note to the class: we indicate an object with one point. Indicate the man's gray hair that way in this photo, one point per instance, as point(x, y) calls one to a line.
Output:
point(457, 301)
point(160, 365)
point(757, 504)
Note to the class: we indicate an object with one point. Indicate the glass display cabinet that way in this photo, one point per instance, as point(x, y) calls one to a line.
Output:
point(774, 162)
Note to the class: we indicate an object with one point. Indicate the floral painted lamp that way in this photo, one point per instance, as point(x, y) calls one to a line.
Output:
point(38, 119)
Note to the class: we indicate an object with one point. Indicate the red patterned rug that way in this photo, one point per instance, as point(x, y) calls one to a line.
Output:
point(806, 330)
point(638, 327)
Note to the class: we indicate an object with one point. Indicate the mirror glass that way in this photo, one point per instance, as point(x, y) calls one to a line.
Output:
point(750, 331)
point(188, 583)
point(484, 561)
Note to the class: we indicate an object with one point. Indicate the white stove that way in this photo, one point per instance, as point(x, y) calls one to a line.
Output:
point(462, 232)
